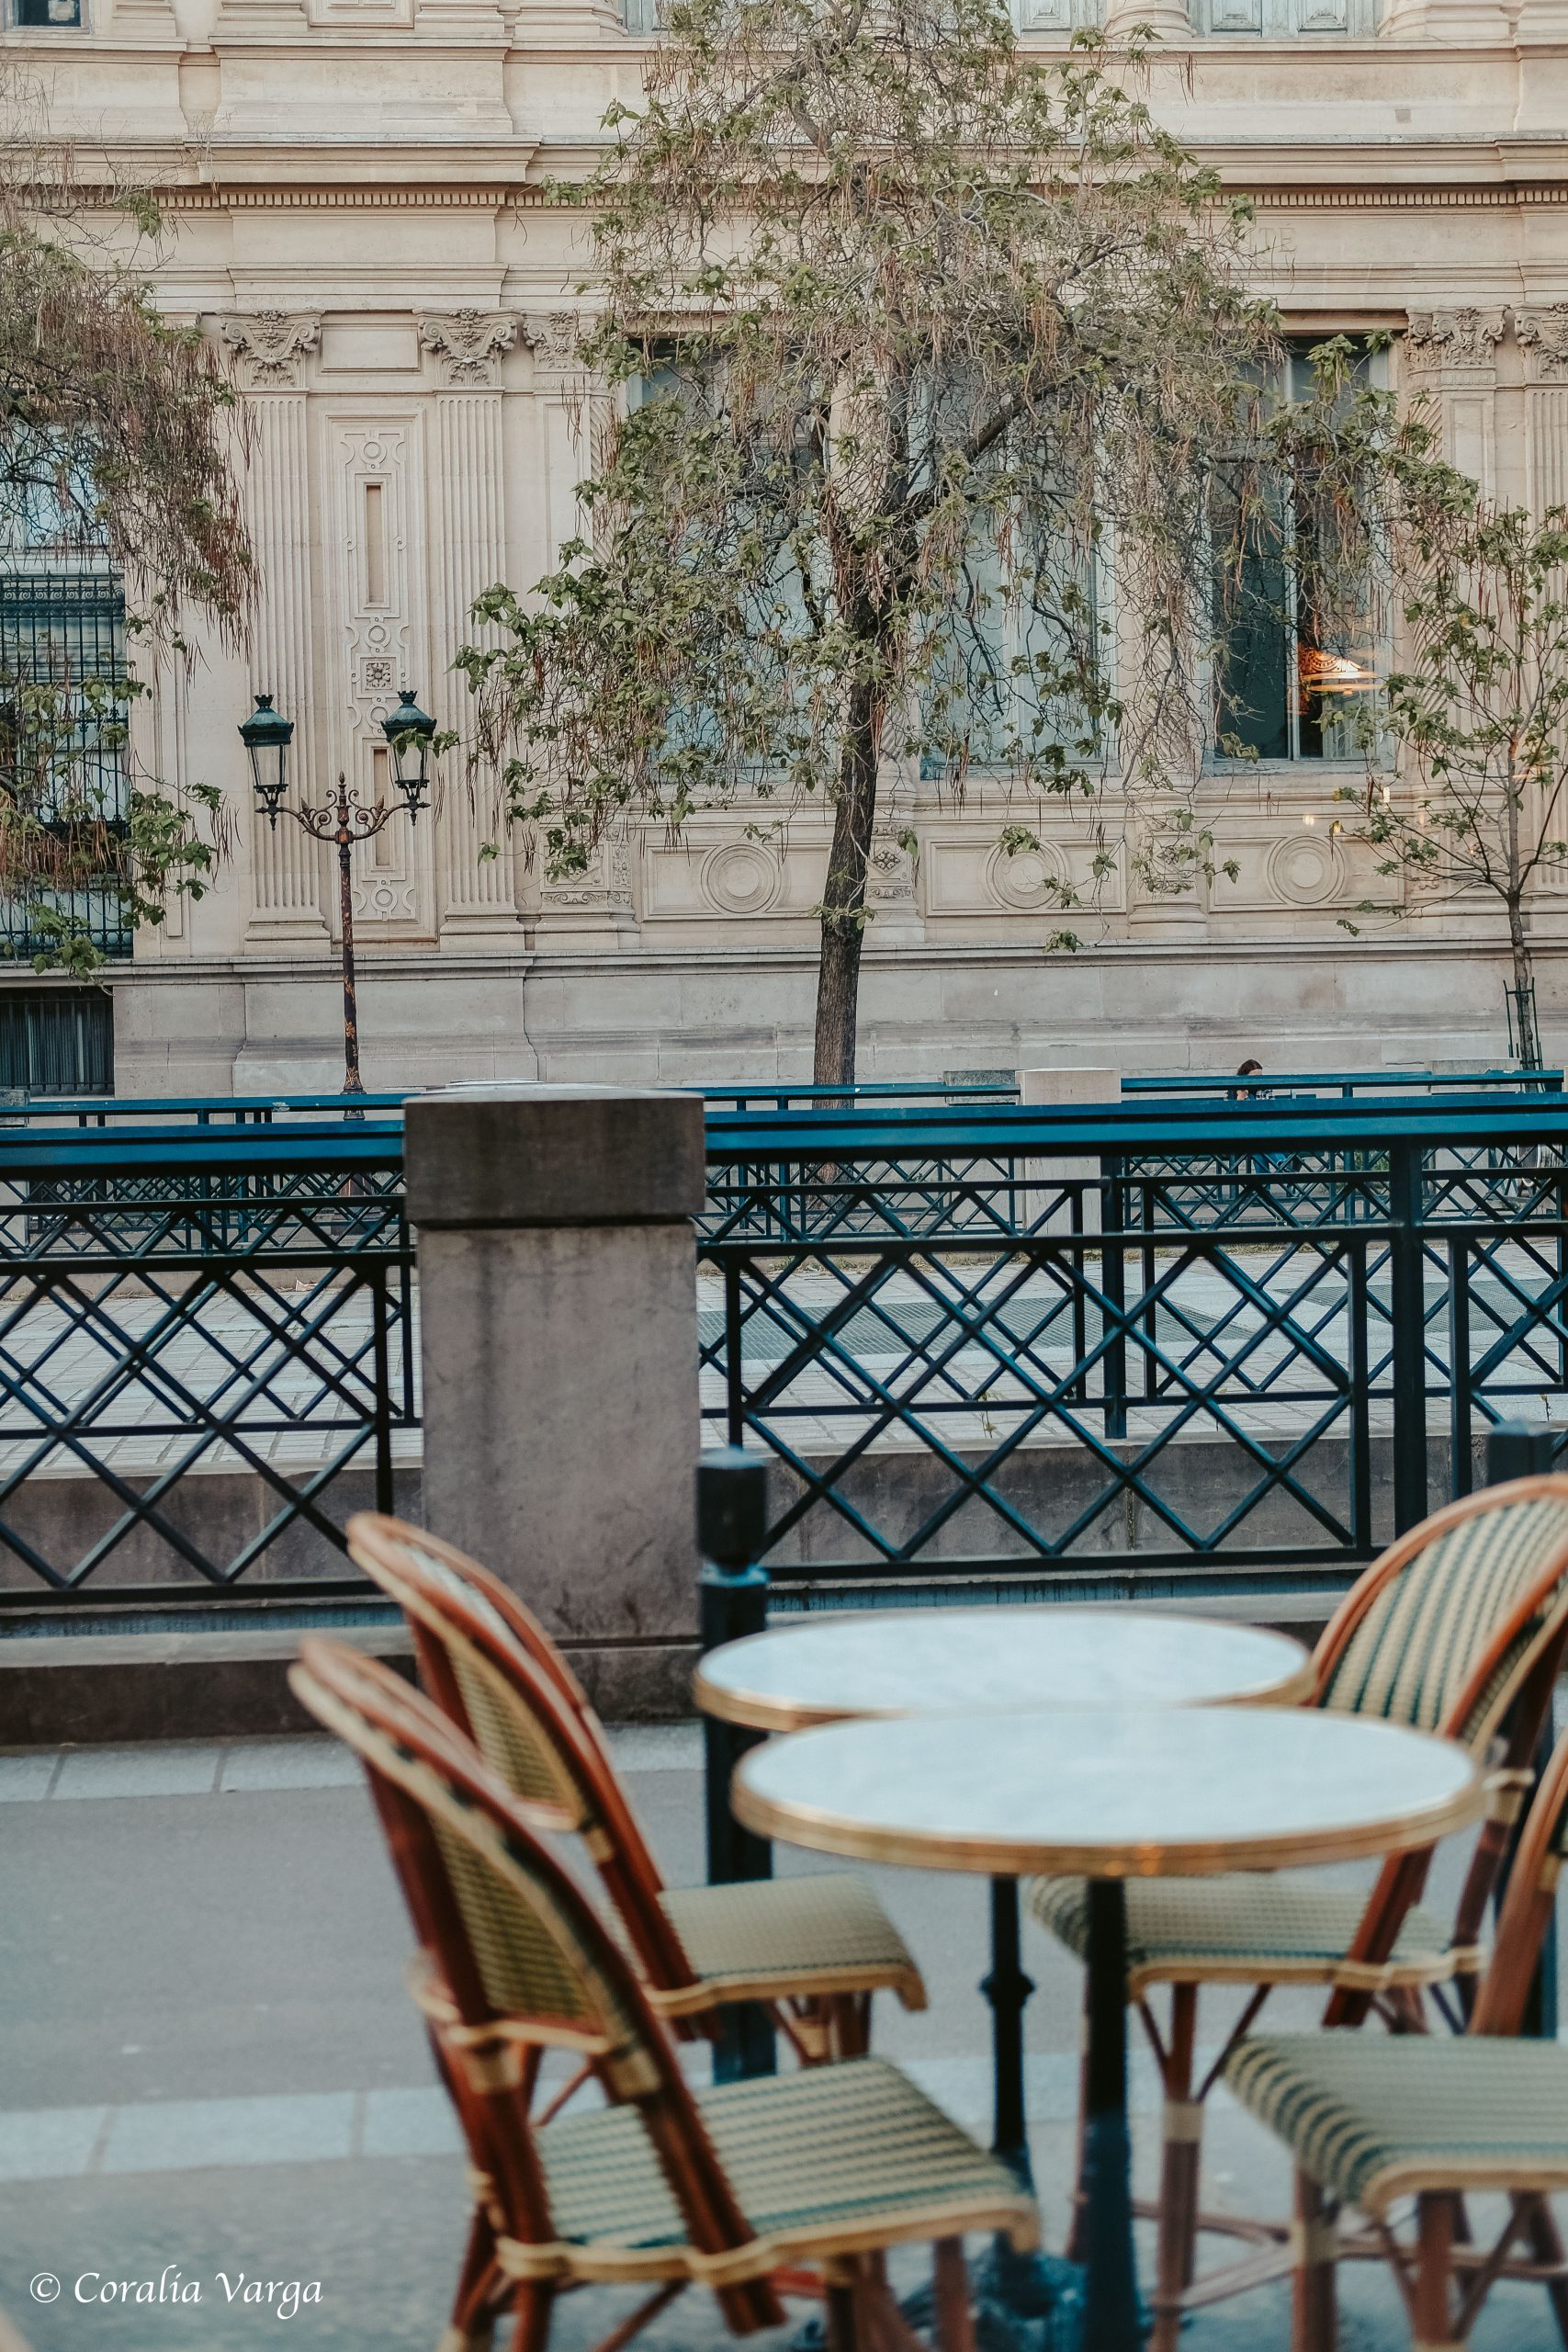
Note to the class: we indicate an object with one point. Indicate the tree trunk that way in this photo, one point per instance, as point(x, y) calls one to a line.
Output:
point(1528, 1038)
point(844, 898)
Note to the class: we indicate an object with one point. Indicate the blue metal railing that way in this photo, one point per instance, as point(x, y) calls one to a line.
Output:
point(1197, 1340)
point(1348, 1084)
point(957, 1092)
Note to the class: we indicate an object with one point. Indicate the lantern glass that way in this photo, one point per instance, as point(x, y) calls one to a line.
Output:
point(409, 732)
point(266, 736)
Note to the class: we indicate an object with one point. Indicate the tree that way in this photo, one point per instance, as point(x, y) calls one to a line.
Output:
point(911, 358)
point(1476, 715)
point(117, 440)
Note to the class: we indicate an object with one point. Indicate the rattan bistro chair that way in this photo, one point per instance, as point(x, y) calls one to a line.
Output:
point(814, 1948)
point(1373, 2122)
point(730, 2187)
point(1457, 1628)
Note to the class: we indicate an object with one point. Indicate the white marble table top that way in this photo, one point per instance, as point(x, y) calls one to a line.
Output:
point(1112, 1794)
point(928, 1661)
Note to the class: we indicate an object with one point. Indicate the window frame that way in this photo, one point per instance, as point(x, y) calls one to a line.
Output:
point(1294, 761)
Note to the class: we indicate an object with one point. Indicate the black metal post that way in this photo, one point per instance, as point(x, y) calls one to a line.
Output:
point(1522, 1450)
point(1461, 1475)
point(732, 1593)
point(1408, 1319)
point(1113, 1291)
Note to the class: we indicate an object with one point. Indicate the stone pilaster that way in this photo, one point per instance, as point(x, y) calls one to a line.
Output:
point(273, 350)
point(1450, 355)
point(476, 893)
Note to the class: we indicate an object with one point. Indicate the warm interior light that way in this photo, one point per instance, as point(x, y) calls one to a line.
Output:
point(1332, 674)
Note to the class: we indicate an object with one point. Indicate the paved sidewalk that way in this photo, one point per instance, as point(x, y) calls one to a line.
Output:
point(208, 2062)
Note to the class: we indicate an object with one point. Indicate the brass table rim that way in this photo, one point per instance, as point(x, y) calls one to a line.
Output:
point(758, 1711)
point(819, 1830)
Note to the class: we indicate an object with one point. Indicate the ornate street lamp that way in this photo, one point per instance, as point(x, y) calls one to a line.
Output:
point(409, 732)
point(266, 736)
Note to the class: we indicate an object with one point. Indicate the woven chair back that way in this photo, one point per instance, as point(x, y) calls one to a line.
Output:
point(1442, 1632)
point(386, 1547)
point(519, 1962)
point(482, 1671)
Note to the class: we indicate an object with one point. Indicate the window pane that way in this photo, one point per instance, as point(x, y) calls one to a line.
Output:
point(64, 633)
point(1295, 672)
point(1252, 709)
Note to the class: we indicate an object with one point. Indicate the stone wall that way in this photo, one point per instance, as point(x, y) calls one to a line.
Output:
point(357, 210)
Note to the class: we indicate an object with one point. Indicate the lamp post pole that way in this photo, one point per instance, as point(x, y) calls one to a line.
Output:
point(346, 820)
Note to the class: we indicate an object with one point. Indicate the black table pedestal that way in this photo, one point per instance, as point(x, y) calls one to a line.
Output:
point(1023, 2303)
point(1112, 2319)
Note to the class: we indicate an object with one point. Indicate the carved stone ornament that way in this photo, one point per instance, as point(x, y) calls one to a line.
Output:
point(552, 337)
point(1544, 333)
point(741, 877)
point(1306, 868)
point(890, 872)
point(1026, 880)
point(469, 345)
point(273, 345)
point(1459, 338)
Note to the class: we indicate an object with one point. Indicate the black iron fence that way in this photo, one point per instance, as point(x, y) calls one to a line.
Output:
point(1160, 1347)
point(205, 1364)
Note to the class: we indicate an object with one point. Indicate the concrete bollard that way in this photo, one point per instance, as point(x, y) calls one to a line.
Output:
point(559, 1344)
point(1037, 1087)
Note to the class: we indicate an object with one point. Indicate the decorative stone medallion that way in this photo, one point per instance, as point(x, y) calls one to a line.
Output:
point(741, 877)
point(1028, 880)
point(1305, 869)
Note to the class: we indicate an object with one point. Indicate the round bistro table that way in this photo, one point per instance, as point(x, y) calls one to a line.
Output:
point(935, 1661)
point(929, 1661)
point(1108, 1795)
point(959, 1661)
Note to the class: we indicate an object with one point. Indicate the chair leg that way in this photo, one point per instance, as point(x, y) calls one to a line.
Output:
point(1313, 2319)
point(472, 2324)
point(1546, 2244)
point(954, 2320)
point(843, 2331)
point(533, 2307)
point(1433, 2303)
point(1180, 2159)
point(1074, 2249)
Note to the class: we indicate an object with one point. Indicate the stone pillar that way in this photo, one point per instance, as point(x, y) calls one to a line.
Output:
point(1069, 1086)
point(1042, 1086)
point(559, 1344)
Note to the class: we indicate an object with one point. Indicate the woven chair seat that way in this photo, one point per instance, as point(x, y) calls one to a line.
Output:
point(1244, 1928)
point(770, 1938)
point(1372, 2118)
point(831, 2160)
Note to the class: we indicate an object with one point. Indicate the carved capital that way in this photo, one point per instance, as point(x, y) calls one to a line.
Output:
point(1457, 338)
point(1543, 331)
point(468, 344)
point(272, 345)
point(552, 337)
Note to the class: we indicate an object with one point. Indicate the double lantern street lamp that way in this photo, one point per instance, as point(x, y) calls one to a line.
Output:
point(266, 736)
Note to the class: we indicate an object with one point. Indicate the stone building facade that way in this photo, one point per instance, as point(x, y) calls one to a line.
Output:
point(354, 193)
